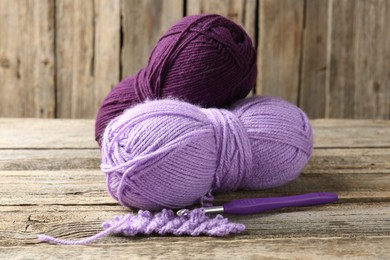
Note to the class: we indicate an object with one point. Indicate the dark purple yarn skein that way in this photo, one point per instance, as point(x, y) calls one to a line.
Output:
point(206, 60)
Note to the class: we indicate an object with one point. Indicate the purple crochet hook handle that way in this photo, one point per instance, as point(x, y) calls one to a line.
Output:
point(250, 206)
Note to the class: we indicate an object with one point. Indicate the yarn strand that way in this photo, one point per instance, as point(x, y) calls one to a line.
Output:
point(50, 239)
point(194, 223)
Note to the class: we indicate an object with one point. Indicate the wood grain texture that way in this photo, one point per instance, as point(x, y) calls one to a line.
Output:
point(107, 49)
point(87, 187)
point(59, 58)
point(210, 248)
point(351, 133)
point(27, 58)
point(50, 134)
point(313, 92)
point(74, 53)
point(242, 12)
point(43, 133)
point(355, 174)
point(47, 159)
point(144, 22)
point(280, 46)
point(359, 81)
point(327, 221)
point(74, 178)
point(87, 53)
point(51, 183)
point(334, 159)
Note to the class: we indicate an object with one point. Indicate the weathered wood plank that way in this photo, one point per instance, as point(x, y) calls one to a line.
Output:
point(242, 12)
point(106, 60)
point(354, 160)
point(314, 59)
point(359, 80)
point(280, 46)
point(373, 160)
point(212, 248)
point(76, 222)
point(26, 223)
point(54, 187)
point(42, 133)
point(355, 174)
point(87, 187)
point(351, 133)
point(27, 58)
point(144, 22)
point(74, 55)
point(60, 159)
point(351, 187)
point(87, 53)
point(79, 134)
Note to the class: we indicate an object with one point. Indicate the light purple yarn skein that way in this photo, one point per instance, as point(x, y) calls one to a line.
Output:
point(172, 154)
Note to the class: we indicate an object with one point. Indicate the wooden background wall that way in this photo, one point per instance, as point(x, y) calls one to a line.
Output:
point(59, 58)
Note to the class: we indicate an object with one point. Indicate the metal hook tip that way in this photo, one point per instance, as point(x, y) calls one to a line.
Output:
point(182, 212)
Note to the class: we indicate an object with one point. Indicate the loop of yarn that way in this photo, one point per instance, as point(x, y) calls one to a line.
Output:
point(233, 149)
point(204, 59)
point(195, 223)
point(171, 154)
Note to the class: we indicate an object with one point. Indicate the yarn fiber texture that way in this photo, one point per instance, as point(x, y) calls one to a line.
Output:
point(172, 154)
point(203, 59)
point(195, 223)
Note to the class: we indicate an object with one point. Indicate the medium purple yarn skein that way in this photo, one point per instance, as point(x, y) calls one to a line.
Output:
point(203, 59)
point(172, 154)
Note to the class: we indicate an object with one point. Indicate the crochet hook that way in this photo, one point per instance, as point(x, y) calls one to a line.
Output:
point(256, 205)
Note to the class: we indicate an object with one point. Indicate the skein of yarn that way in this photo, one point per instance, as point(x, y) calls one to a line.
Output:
point(172, 154)
point(203, 59)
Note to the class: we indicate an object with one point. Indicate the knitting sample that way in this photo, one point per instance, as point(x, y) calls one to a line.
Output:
point(195, 223)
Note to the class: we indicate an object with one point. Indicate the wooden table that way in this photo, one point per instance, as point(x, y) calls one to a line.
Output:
point(51, 183)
